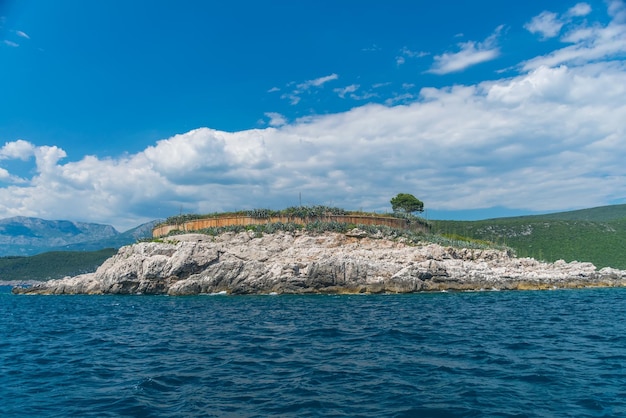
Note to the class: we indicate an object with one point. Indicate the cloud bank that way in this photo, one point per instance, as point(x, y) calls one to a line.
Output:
point(552, 137)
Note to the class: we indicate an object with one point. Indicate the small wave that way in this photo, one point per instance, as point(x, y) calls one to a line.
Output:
point(416, 355)
point(220, 293)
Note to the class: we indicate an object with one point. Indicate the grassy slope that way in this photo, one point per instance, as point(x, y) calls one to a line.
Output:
point(597, 235)
point(52, 265)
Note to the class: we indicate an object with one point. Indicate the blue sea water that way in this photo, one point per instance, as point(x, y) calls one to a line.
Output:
point(503, 354)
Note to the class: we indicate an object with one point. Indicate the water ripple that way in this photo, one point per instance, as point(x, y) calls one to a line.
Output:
point(505, 354)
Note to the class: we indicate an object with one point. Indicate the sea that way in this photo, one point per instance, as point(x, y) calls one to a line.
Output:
point(559, 353)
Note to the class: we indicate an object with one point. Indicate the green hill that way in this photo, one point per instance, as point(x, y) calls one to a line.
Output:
point(52, 265)
point(598, 214)
point(597, 235)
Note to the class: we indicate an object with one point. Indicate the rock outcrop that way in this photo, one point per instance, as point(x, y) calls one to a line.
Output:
point(301, 263)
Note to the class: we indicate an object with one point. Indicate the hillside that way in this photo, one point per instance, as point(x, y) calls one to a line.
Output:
point(52, 265)
point(596, 235)
point(597, 214)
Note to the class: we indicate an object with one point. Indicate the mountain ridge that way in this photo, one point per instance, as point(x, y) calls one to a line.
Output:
point(594, 214)
point(27, 236)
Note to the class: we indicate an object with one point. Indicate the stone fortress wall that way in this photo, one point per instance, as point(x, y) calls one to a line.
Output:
point(222, 221)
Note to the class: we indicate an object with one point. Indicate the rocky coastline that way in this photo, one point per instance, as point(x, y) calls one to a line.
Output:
point(329, 263)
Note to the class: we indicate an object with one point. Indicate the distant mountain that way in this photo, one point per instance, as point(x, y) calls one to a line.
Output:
point(23, 236)
point(132, 235)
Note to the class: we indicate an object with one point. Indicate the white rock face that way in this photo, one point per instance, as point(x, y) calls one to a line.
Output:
point(329, 263)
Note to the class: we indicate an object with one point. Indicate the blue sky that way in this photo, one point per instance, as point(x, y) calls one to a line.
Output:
point(121, 112)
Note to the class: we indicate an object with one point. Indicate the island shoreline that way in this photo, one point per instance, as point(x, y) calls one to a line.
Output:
point(298, 262)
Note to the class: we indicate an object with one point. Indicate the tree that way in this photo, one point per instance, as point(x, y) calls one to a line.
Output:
point(406, 203)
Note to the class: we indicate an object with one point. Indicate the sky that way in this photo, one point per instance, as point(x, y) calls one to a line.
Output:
point(121, 112)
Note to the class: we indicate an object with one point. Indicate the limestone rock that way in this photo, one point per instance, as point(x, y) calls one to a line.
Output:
point(300, 263)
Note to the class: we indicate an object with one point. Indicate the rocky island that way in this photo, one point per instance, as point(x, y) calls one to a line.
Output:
point(299, 262)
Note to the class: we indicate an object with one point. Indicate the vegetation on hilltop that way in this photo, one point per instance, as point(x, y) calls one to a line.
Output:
point(303, 212)
point(319, 221)
point(406, 203)
point(376, 231)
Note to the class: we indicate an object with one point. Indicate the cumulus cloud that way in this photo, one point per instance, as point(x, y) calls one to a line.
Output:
point(588, 44)
point(547, 24)
point(276, 119)
point(470, 53)
point(19, 149)
point(550, 139)
point(580, 9)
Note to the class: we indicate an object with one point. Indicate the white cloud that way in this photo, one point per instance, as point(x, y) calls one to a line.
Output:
point(589, 44)
point(413, 54)
point(22, 34)
point(46, 158)
point(11, 43)
point(273, 90)
point(407, 53)
point(342, 92)
point(551, 139)
point(580, 9)
point(318, 82)
point(617, 10)
point(295, 96)
point(373, 48)
point(400, 98)
point(17, 150)
point(471, 53)
point(276, 119)
point(547, 24)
